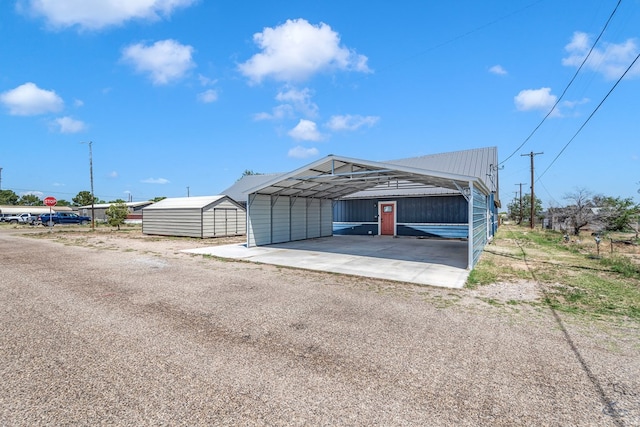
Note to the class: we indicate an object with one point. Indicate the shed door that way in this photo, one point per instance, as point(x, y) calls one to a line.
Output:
point(387, 219)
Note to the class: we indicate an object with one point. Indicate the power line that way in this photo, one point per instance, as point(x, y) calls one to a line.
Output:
point(567, 87)
point(590, 116)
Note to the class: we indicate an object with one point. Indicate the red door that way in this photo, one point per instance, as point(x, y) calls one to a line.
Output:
point(387, 219)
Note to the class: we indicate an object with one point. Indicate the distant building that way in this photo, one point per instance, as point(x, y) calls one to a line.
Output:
point(100, 209)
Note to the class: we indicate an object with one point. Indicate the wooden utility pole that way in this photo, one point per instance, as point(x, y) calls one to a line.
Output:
point(521, 213)
point(533, 197)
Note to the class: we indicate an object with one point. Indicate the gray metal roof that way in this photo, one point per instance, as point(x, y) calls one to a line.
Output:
point(443, 169)
point(238, 191)
point(334, 177)
point(480, 163)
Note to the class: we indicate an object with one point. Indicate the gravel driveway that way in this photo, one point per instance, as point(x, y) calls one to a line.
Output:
point(106, 333)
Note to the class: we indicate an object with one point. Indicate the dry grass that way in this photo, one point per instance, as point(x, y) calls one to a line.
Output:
point(574, 276)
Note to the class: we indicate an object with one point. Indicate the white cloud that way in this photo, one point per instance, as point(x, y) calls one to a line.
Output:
point(284, 111)
point(155, 181)
point(113, 175)
point(611, 60)
point(300, 152)
point(535, 99)
point(94, 15)
point(29, 100)
point(69, 125)
point(497, 69)
point(78, 103)
point(206, 81)
point(300, 100)
point(164, 61)
point(296, 50)
point(305, 130)
point(349, 122)
point(208, 96)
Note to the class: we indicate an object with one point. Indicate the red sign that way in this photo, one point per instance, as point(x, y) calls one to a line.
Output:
point(50, 201)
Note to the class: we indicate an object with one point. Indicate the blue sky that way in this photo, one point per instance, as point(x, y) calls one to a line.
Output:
point(183, 95)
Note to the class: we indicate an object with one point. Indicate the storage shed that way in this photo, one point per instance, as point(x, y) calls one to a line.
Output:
point(203, 217)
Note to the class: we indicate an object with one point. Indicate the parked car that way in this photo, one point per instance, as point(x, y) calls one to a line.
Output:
point(63, 218)
point(24, 218)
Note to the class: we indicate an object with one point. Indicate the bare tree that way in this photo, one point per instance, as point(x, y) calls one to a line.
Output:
point(580, 211)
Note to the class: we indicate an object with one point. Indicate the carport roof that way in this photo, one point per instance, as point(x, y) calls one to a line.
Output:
point(334, 176)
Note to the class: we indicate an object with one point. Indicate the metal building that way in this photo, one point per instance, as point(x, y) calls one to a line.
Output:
point(302, 204)
point(203, 217)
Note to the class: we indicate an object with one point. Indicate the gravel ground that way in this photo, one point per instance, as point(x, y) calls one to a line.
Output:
point(115, 330)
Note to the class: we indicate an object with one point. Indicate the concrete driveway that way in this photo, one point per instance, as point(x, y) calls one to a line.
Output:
point(431, 262)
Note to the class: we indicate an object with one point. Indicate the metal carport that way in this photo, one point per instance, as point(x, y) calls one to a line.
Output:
point(298, 205)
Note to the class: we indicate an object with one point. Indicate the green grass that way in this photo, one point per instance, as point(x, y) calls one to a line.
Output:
point(570, 277)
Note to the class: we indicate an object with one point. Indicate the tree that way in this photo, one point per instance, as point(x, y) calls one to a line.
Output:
point(8, 197)
point(116, 201)
point(84, 199)
point(116, 214)
point(63, 202)
point(616, 213)
point(580, 212)
point(248, 172)
point(514, 208)
point(30, 200)
point(157, 199)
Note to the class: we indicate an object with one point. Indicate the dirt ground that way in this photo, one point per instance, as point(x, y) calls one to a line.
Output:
point(124, 329)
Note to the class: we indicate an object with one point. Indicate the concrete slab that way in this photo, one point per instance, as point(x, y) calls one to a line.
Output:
point(407, 259)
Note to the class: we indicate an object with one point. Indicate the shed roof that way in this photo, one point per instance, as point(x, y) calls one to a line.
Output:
point(334, 177)
point(186, 202)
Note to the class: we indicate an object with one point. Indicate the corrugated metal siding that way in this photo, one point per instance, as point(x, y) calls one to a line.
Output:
point(280, 219)
point(259, 227)
point(313, 218)
point(326, 218)
point(433, 209)
point(360, 210)
point(445, 209)
point(172, 222)
point(479, 224)
point(298, 219)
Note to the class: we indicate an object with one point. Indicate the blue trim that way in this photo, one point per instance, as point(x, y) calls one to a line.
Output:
point(354, 228)
point(447, 231)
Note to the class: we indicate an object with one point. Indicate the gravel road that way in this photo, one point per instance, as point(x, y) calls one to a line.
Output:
point(102, 334)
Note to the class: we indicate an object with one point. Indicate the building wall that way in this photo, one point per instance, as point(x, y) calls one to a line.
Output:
point(173, 222)
point(436, 216)
point(480, 224)
point(277, 219)
point(299, 219)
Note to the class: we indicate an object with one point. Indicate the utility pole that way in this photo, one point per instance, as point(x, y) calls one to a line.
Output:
point(0, 179)
point(93, 211)
point(521, 213)
point(533, 197)
point(187, 191)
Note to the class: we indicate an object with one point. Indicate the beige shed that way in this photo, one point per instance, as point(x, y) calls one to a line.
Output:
point(203, 217)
